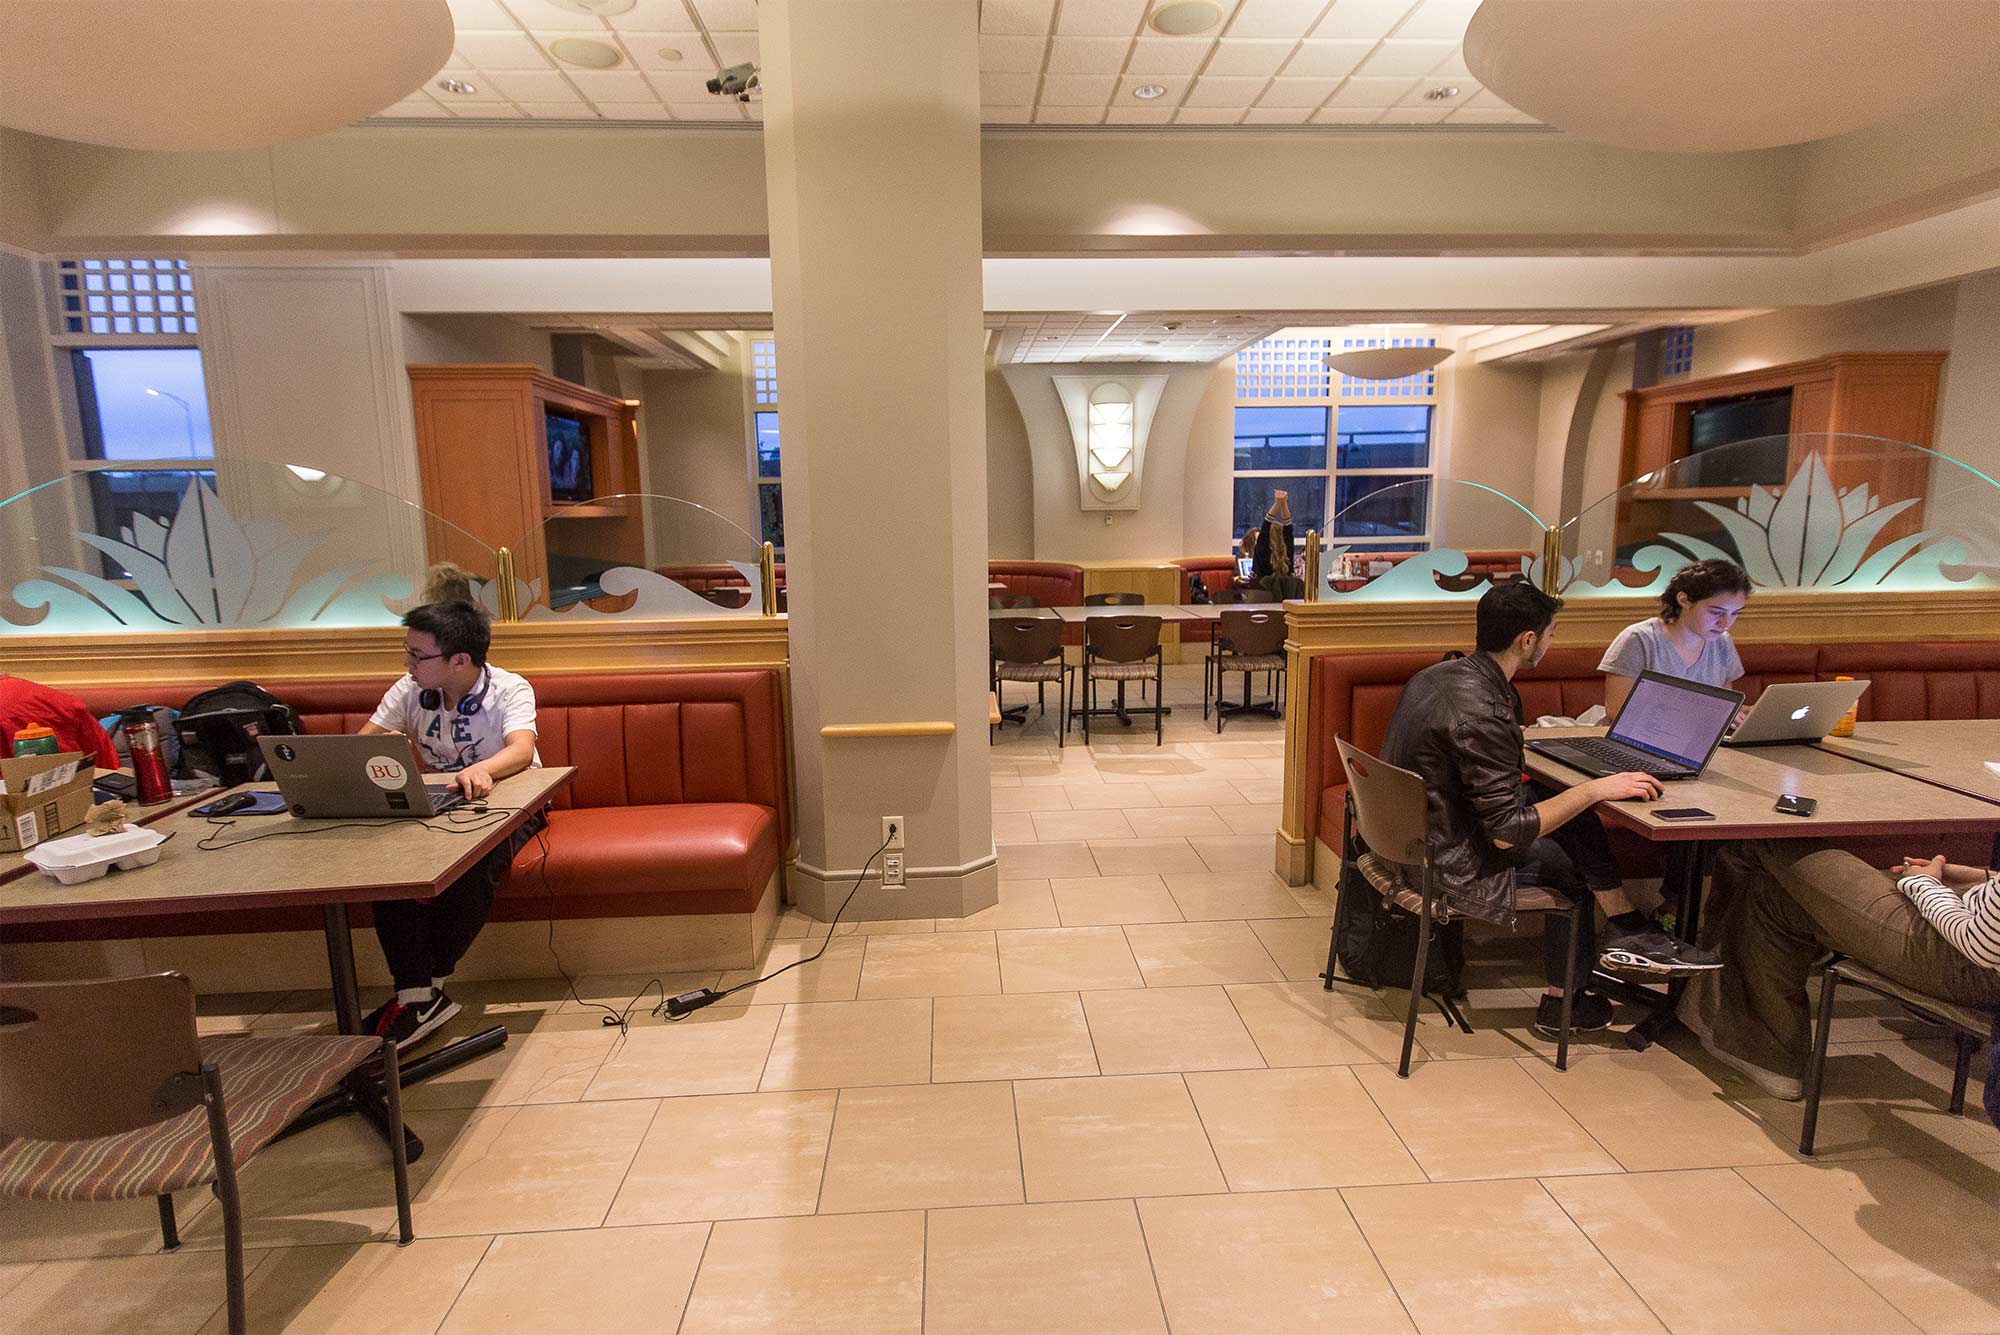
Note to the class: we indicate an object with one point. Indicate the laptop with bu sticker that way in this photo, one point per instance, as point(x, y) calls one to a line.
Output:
point(352, 777)
point(1796, 711)
point(1667, 728)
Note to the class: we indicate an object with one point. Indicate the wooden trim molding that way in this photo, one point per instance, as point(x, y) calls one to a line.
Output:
point(932, 728)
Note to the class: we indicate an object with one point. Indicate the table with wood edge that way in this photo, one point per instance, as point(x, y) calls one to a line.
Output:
point(242, 862)
point(1740, 787)
point(13, 865)
point(1948, 753)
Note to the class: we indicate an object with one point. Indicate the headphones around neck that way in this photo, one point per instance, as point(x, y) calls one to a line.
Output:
point(432, 698)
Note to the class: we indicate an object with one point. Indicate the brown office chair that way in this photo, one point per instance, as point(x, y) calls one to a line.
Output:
point(1387, 807)
point(1225, 597)
point(1248, 642)
point(1122, 649)
point(110, 1095)
point(1031, 650)
point(1002, 602)
point(1970, 1027)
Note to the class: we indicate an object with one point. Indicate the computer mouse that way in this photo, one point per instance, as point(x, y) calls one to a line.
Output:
point(230, 805)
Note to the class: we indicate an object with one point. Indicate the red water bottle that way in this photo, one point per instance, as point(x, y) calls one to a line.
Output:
point(149, 760)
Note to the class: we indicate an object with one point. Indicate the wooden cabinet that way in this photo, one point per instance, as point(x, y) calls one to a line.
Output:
point(1839, 398)
point(482, 447)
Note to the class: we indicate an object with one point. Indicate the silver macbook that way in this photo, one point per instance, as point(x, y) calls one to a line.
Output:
point(1796, 711)
point(351, 777)
point(1667, 728)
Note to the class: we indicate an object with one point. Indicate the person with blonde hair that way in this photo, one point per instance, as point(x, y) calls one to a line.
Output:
point(449, 582)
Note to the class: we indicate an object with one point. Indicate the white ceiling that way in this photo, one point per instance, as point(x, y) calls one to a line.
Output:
point(1046, 62)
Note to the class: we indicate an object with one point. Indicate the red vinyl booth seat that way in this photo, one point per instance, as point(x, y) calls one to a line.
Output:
point(677, 806)
point(1217, 572)
point(1051, 583)
point(702, 578)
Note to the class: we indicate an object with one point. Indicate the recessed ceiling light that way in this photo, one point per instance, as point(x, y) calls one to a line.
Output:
point(585, 52)
point(1442, 93)
point(459, 86)
point(1149, 91)
point(1186, 17)
point(669, 53)
point(602, 9)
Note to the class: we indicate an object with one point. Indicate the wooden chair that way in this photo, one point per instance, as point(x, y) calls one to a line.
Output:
point(1249, 642)
point(1123, 649)
point(1388, 808)
point(1031, 651)
point(1970, 1027)
point(109, 1094)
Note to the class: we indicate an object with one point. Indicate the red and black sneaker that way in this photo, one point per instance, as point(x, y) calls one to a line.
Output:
point(408, 1021)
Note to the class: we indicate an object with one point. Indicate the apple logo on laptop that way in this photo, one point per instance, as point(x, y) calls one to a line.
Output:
point(1801, 712)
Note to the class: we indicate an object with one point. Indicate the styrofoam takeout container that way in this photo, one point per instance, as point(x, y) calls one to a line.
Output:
point(85, 857)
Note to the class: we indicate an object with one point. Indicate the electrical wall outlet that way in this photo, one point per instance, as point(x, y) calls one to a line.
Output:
point(892, 832)
point(892, 870)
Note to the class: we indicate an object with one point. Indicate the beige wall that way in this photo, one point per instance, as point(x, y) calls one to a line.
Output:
point(1211, 466)
point(1561, 381)
point(694, 440)
point(1010, 475)
point(30, 449)
point(449, 339)
point(1487, 433)
point(1910, 321)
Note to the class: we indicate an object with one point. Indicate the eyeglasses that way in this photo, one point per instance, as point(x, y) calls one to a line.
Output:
point(410, 656)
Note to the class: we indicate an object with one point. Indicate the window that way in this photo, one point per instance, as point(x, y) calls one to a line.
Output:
point(1355, 467)
point(125, 297)
point(143, 412)
point(765, 467)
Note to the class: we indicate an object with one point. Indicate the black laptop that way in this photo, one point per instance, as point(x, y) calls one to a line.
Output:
point(1668, 728)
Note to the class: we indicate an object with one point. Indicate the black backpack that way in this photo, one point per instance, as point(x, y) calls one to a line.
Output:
point(219, 729)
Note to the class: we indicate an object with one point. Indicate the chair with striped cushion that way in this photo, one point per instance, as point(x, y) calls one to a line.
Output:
point(1122, 649)
point(1030, 651)
point(1249, 641)
point(107, 1093)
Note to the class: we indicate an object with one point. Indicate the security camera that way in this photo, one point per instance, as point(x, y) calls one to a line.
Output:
point(738, 81)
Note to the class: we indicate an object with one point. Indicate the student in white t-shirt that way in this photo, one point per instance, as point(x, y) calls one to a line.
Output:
point(476, 722)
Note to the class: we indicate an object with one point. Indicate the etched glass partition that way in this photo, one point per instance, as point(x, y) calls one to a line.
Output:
point(1800, 511)
point(640, 556)
point(1430, 538)
point(218, 545)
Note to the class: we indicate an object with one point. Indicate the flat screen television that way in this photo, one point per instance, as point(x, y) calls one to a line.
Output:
point(1718, 452)
point(569, 457)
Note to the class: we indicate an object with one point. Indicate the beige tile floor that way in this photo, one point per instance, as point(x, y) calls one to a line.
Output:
point(1118, 1100)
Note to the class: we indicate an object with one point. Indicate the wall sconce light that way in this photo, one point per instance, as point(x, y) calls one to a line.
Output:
point(1108, 422)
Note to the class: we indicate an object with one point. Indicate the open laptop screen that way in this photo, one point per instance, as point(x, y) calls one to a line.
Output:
point(1681, 720)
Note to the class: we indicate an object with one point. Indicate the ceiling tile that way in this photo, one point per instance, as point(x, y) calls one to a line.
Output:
point(716, 109)
point(483, 91)
point(1011, 55)
point(1139, 114)
point(557, 111)
point(1362, 18)
point(412, 106)
point(1467, 90)
point(1318, 59)
point(1481, 116)
point(1346, 115)
point(486, 111)
point(1297, 92)
point(1208, 115)
point(1088, 55)
point(1168, 55)
point(1398, 57)
point(1006, 115)
point(1414, 115)
point(540, 14)
point(1257, 56)
point(1016, 16)
point(1075, 90)
point(1453, 66)
point(734, 48)
point(645, 48)
point(611, 85)
point(654, 16)
point(632, 111)
point(683, 85)
point(1218, 91)
point(1439, 18)
point(532, 85)
point(1275, 18)
point(727, 15)
point(472, 15)
point(1012, 90)
point(1176, 86)
point(1485, 97)
point(1277, 115)
point(1048, 115)
point(1100, 18)
point(1359, 92)
point(502, 51)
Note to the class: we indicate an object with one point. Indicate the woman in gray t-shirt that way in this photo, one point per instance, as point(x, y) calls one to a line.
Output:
point(1688, 639)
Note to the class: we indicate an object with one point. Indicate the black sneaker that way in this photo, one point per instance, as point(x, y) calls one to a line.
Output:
point(373, 1023)
point(1656, 955)
point(1590, 1013)
point(408, 1021)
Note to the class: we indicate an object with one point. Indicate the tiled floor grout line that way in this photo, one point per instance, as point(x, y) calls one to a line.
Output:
point(833, 1125)
point(1612, 1265)
point(465, 1284)
point(1146, 1245)
point(612, 1201)
point(707, 1237)
point(1839, 1260)
point(1341, 1194)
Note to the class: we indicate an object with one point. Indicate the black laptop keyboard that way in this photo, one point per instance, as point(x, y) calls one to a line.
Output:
point(1619, 756)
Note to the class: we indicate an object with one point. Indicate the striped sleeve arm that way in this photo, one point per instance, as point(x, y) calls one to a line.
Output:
point(1970, 922)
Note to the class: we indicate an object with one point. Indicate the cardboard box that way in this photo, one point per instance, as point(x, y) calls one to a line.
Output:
point(41, 797)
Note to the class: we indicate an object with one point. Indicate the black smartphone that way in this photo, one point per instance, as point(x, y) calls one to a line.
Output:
point(1685, 813)
point(113, 784)
point(1791, 804)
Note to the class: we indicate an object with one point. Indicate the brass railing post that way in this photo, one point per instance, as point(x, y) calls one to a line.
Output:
point(1552, 558)
point(767, 578)
point(504, 573)
point(1312, 565)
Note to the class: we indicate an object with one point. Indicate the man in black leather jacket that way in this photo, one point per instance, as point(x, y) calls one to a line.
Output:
point(1458, 724)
